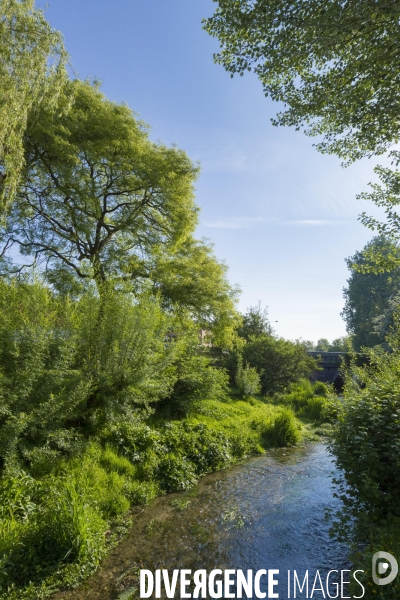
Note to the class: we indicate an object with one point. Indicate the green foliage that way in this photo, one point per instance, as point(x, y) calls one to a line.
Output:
point(308, 399)
point(111, 461)
point(320, 389)
point(314, 408)
point(39, 387)
point(388, 537)
point(255, 323)
point(32, 73)
point(196, 379)
point(200, 444)
point(141, 492)
point(341, 344)
point(385, 195)
point(247, 380)
point(190, 276)
point(65, 514)
point(285, 430)
point(250, 425)
point(136, 439)
point(67, 368)
point(64, 528)
point(368, 293)
point(366, 442)
point(331, 64)
point(100, 202)
point(17, 496)
point(176, 473)
point(322, 345)
point(99, 194)
point(279, 362)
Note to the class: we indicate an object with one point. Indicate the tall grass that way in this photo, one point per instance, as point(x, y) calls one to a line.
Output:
point(307, 399)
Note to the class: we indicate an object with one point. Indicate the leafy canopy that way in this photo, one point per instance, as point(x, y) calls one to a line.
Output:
point(100, 202)
point(98, 197)
point(385, 195)
point(368, 293)
point(255, 323)
point(335, 65)
point(341, 344)
point(32, 73)
point(279, 362)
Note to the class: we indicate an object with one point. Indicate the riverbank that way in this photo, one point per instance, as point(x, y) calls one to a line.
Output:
point(266, 512)
point(85, 503)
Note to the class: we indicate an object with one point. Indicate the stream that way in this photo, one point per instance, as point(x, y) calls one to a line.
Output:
point(265, 513)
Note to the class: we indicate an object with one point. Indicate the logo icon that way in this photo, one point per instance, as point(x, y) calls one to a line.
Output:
point(383, 567)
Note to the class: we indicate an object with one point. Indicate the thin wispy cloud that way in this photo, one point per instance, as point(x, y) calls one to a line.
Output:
point(248, 222)
point(237, 222)
point(309, 223)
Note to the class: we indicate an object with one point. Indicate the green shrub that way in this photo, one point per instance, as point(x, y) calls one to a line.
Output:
point(314, 408)
point(205, 448)
point(176, 473)
point(279, 362)
point(298, 394)
point(196, 379)
point(11, 535)
point(241, 445)
point(247, 380)
point(18, 492)
point(307, 399)
point(70, 368)
point(140, 492)
point(385, 537)
point(331, 409)
point(366, 444)
point(104, 486)
point(285, 430)
point(320, 389)
point(133, 437)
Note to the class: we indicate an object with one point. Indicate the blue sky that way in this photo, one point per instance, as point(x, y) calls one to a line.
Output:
point(282, 216)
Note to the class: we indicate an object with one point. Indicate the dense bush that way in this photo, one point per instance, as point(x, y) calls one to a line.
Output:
point(384, 537)
point(285, 430)
point(63, 526)
point(69, 367)
point(205, 447)
point(279, 362)
point(195, 379)
point(247, 379)
point(308, 399)
point(176, 473)
point(366, 443)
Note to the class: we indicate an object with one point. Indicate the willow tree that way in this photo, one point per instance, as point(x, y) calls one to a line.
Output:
point(193, 278)
point(98, 197)
point(335, 65)
point(101, 202)
point(32, 73)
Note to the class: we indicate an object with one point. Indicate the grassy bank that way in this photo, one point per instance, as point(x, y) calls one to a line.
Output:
point(58, 523)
